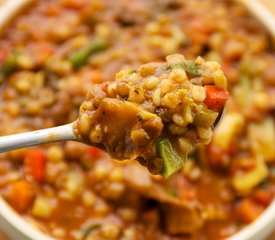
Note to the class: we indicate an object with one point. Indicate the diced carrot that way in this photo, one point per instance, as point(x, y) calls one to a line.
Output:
point(226, 67)
point(243, 164)
point(199, 25)
point(43, 51)
point(92, 76)
point(183, 189)
point(3, 54)
point(95, 153)
point(232, 50)
point(228, 230)
point(215, 97)
point(188, 194)
point(35, 163)
point(75, 4)
point(21, 195)
point(232, 74)
point(96, 76)
point(52, 10)
point(262, 196)
point(105, 87)
point(249, 210)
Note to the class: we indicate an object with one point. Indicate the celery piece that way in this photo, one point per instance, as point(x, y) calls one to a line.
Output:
point(81, 56)
point(231, 125)
point(87, 230)
point(243, 92)
point(41, 208)
point(246, 182)
point(261, 137)
point(132, 71)
point(172, 162)
point(205, 117)
point(8, 67)
point(74, 182)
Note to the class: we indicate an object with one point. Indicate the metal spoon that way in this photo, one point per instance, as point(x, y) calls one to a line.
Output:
point(49, 135)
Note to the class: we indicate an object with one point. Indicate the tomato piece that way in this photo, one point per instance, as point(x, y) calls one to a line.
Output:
point(41, 52)
point(95, 153)
point(3, 54)
point(21, 195)
point(105, 87)
point(189, 194)
point(74, 4)
point(52, 10)
point(199, 26)
point(92, 76)
point(35, 163)
point(242, 165)
point(249, 210)
point(226, 66)
point(263, 197)
point(96, 76)
point(215, 97)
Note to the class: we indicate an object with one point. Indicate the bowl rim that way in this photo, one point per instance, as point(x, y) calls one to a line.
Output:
point(10, 220)
point(265, 222)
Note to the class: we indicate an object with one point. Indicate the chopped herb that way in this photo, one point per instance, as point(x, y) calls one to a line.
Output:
point(190, 67)
point(8, 67)
point(87, 230)
point(132, 71)
point(173, 192)
point(166, 67)
point(139, 116)
point(81, 56)
point(172, 162)
point(239, 225)
point(263, 184)
point(272, 172)
point(162, 114)
point(85, 166)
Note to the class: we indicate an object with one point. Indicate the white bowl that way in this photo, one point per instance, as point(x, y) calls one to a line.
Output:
point(259, 229)
point(17, 228)
point(14, 226)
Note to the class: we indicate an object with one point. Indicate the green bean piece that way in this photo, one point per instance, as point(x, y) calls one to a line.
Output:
point(87, 230)
point(8, 67)
point(81, 56)
point(172, 162)
point(190, 67)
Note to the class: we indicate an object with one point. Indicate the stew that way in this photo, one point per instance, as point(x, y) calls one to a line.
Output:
point(57, 50)
point(162, 105)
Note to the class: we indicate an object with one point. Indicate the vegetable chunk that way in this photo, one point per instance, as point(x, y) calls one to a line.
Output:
point(21, 195)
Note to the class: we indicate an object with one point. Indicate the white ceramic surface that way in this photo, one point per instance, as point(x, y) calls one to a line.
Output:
point(18, 229)
point(9, 8)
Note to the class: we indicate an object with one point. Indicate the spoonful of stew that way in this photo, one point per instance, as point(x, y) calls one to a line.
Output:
point(155, 114)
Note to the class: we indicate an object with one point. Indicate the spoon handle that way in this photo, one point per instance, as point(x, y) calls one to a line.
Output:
point(48, 135)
